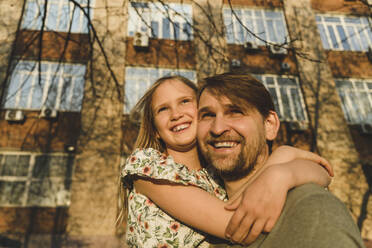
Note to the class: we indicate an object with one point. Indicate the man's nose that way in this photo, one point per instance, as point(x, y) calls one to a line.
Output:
point(219, 126)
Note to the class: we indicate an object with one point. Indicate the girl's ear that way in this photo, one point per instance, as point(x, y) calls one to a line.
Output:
point(272, 125)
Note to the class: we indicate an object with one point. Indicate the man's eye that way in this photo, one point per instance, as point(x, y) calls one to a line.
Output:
point(236, 112)
point(206, 115)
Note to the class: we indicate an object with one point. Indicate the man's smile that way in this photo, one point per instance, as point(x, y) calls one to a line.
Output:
point(223, 144)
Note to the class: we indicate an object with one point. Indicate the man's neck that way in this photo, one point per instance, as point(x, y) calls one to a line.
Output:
point(237, 186)
point(189, 158)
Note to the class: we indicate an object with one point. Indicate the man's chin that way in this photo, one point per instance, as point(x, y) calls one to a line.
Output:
point(230, 168)
point(222, 162)
point(233, 175)
point(225, 167)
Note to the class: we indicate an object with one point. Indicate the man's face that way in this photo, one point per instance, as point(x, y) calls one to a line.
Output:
point(230, 138)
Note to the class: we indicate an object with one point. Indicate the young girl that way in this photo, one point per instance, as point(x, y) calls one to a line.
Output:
point(172, 200)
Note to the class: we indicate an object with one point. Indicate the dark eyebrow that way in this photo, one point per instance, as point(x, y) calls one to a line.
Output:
point(204, 109)
point(226, 106)
point(233, 106)
point(244, 109)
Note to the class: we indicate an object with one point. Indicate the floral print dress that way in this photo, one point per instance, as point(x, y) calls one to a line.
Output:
point(148, 226)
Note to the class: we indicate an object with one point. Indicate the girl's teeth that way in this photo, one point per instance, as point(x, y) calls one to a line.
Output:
point(180, 127)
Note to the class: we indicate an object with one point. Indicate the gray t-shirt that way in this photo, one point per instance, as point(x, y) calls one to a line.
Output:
point(312, 218)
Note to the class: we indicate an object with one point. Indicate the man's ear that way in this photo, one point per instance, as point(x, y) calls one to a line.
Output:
point(272, 125)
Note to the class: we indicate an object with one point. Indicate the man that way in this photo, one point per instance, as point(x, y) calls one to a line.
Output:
point(237, 122)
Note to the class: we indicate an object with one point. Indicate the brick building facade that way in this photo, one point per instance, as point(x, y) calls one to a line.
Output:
point(71, 70)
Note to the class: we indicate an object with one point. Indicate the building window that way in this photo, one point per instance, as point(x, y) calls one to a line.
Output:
point(30, 179)
point(57, 86)
point(356, 98)
point(269, 25)
point(61, 15)
point(344, 32)
point(287, 97)
point(139, 79)
point(161, 20)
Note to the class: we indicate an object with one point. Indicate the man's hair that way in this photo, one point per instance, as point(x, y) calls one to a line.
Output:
point(147, 133)
point(243, 90)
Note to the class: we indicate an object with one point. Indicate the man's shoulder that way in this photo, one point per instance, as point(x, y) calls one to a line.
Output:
point(312, 203)
point(314, 214)
point(310, 200)
point(310, 190)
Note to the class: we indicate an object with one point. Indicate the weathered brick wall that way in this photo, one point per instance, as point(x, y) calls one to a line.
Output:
point(333, 139)
point(95, 182)
point(10, 12)
point(39, 134)
point(210, 43)
point(341, 6)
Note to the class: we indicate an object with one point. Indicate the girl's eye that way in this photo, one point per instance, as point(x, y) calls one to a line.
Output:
point(185, 100)
point(162, 109)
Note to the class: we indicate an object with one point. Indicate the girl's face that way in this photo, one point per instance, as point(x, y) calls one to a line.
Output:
point(175, 115)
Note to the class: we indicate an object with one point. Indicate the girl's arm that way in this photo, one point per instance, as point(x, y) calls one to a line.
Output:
point(189, 204)
point(169, 185)
point(285, 153)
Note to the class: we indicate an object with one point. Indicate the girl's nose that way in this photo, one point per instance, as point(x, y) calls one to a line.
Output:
point(176, 115)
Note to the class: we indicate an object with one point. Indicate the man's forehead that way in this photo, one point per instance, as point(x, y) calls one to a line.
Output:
point(208, 98)
point(213, 100)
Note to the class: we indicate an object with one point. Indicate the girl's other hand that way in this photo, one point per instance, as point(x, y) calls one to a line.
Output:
point(284, 154)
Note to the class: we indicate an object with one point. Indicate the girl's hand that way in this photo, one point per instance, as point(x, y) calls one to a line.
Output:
point(284, 154)
point(258, 208)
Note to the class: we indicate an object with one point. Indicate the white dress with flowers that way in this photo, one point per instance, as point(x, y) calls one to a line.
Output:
point(148, 226)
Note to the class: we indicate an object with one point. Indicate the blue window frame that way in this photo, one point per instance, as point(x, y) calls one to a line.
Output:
point(344, 32)
point(163, 21)
point(61, 15)
point(269, 25)
point(58, 86)
point(356, 99)
point(287, 96)
point(139, 79)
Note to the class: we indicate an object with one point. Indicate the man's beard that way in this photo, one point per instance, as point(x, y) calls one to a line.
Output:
point(233, 168)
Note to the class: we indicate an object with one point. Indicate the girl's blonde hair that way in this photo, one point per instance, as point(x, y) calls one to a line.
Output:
point(147, 137)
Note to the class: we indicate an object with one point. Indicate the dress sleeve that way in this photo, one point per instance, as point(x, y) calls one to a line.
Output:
point(150, 163)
